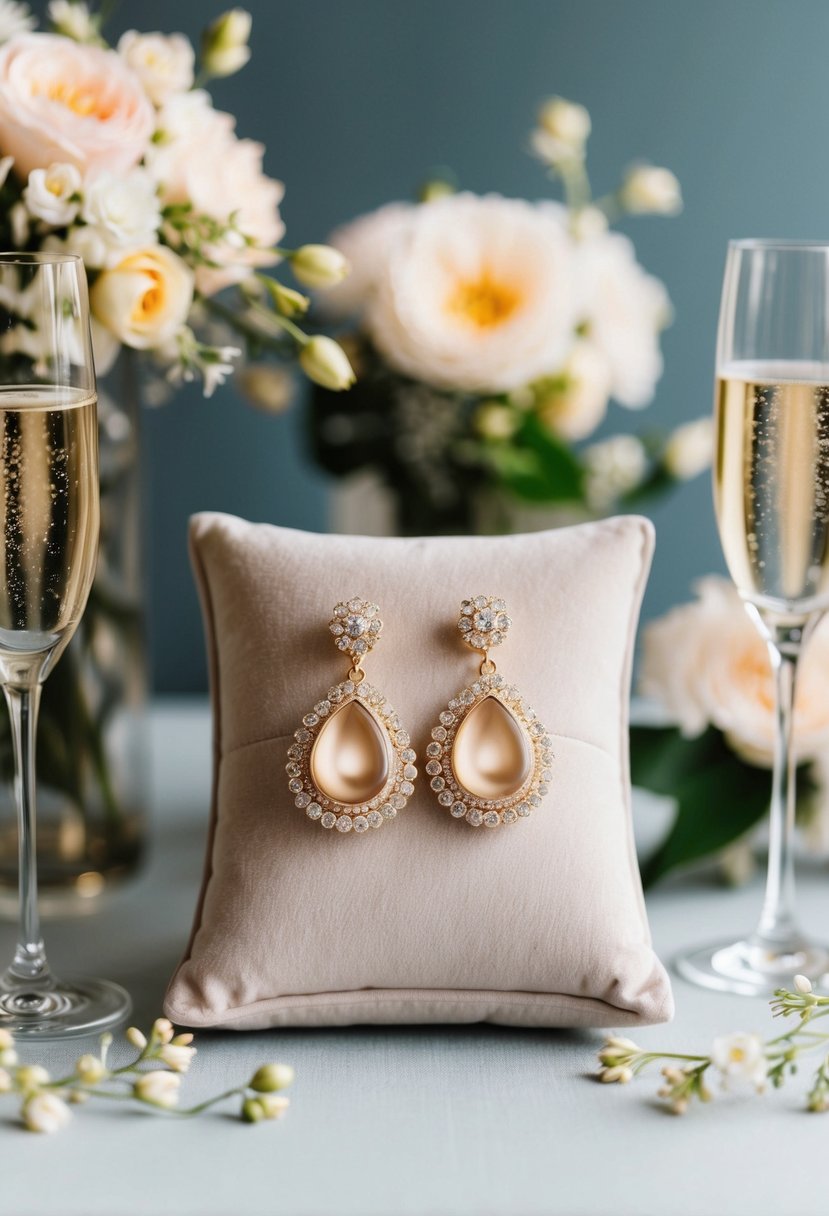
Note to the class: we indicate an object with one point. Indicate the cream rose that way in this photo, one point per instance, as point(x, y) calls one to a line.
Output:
point(226, 181)
point(61, 102)
point(366, 243)
point(145, 298)
point(123, 210)
point(476, 294)
point(163, 63)
point(707, 664)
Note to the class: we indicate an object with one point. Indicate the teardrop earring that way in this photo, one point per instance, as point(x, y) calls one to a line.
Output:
point(351, 765)
point(489, 758)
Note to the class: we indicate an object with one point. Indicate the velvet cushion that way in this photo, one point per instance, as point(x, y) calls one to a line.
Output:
point(540, 923)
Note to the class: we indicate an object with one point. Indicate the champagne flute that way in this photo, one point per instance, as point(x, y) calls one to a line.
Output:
point(49, 520)
point(771, 494)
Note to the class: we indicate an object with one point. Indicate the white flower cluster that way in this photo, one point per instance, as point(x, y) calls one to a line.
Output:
point(122, 162)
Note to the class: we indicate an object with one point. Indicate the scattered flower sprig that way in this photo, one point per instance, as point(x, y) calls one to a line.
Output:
point(734, 1057)
point(152, 1079)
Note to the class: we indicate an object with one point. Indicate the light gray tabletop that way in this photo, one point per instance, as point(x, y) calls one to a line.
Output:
point(476, 1121)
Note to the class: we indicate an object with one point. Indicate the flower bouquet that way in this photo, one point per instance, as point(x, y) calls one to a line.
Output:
point(118, 155)
point(707, 668)
point(492, 333)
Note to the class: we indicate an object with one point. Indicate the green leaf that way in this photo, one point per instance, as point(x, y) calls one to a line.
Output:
point(536, 466)
point(718, 796)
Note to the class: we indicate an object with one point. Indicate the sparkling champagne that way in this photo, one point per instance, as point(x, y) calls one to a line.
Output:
point(49, 513)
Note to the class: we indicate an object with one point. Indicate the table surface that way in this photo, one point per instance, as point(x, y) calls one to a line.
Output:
point(387, 1121)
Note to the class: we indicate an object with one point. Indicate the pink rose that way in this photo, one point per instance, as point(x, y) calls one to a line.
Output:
point(61, 101)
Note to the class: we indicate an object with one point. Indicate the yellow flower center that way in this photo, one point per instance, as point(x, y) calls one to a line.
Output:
point(737, 1055)
point(483, 302)
point(82, 98)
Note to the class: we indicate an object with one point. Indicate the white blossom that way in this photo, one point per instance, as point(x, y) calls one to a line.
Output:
point(15, 18)
point(740, 1056)
point(690, 449)
point(53, 195)
point(73, 19)
point(614, 467)
point(162, 62)
point(158, 1088)
point(648, 189)
point(124, 210)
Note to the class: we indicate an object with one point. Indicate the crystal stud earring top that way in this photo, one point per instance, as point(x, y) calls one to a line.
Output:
point(351, 765)
point(489, 758)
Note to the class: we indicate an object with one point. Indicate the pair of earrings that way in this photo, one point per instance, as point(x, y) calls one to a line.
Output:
point(352, 766)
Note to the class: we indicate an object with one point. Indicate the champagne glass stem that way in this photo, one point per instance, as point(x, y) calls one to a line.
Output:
point(30, 957)
point(785, 639)
point(777, 920)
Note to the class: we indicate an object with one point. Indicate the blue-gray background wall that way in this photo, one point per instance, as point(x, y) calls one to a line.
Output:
point(357, 99)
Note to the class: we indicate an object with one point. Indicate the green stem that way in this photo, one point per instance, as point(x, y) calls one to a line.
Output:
point(196, 1110)
point(246, 329)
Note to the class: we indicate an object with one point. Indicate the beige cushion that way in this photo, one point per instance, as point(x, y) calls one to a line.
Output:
point(541, 923)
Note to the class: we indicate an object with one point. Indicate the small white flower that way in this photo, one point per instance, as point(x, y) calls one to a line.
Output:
point(803, 984)
point(73, 19)
point(319, 266)
point(8, 1057)
point(618, 1073)
point(134, 1036)
point(326, 363)
point(123, 209)
point(15, 18)
point(6, 1082)
point(690, 449)
point(614, 467)
point(84, 240)
point(225, 43)
point(90, 1069)
point(158, 1088)
point(740, 1056)
point(562, 131)
point(163, 63)
point(273, 1106)
point(53, 194)
point(648, 189)
point(45, 1113)
point(177, 1058)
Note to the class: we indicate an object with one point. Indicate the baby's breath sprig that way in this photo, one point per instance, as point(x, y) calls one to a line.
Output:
point(152, 1079)
point(735, 1056)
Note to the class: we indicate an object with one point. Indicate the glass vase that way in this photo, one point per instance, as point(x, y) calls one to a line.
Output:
point(92, 754)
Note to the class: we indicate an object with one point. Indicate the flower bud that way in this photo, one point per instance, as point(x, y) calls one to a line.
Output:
point(648, 189)
point(45, 1113)
point(162, 1030)
point(6, 1039)
point(495, 421)
point(562, 131)
point(8, 1058)
point(135, 1037)
point(289, 302)
point(5, 1081)
point(30, 1077)
point(251, 1110)
point(177, 1058)
point(319, 265)
point(225, 43)
point(803, 984)
point(272, 1077)
point(326, 363)
point(158, 1088)
point(183, 1040)
point(90, 1069)
point(273, 1106)
point(689, 452)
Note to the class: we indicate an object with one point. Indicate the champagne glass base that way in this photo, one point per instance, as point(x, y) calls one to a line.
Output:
point(752, 967)
point(63, 1009)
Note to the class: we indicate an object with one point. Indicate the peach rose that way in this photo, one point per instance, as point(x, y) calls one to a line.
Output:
point(61, 101)
point(145, 299)
point(708, 665)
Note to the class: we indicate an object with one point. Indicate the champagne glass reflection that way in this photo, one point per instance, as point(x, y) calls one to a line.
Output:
point(49, 520)
point(771, 494)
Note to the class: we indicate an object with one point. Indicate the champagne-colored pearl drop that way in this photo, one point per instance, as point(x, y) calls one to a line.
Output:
point(491, 755)
point(350, 760)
